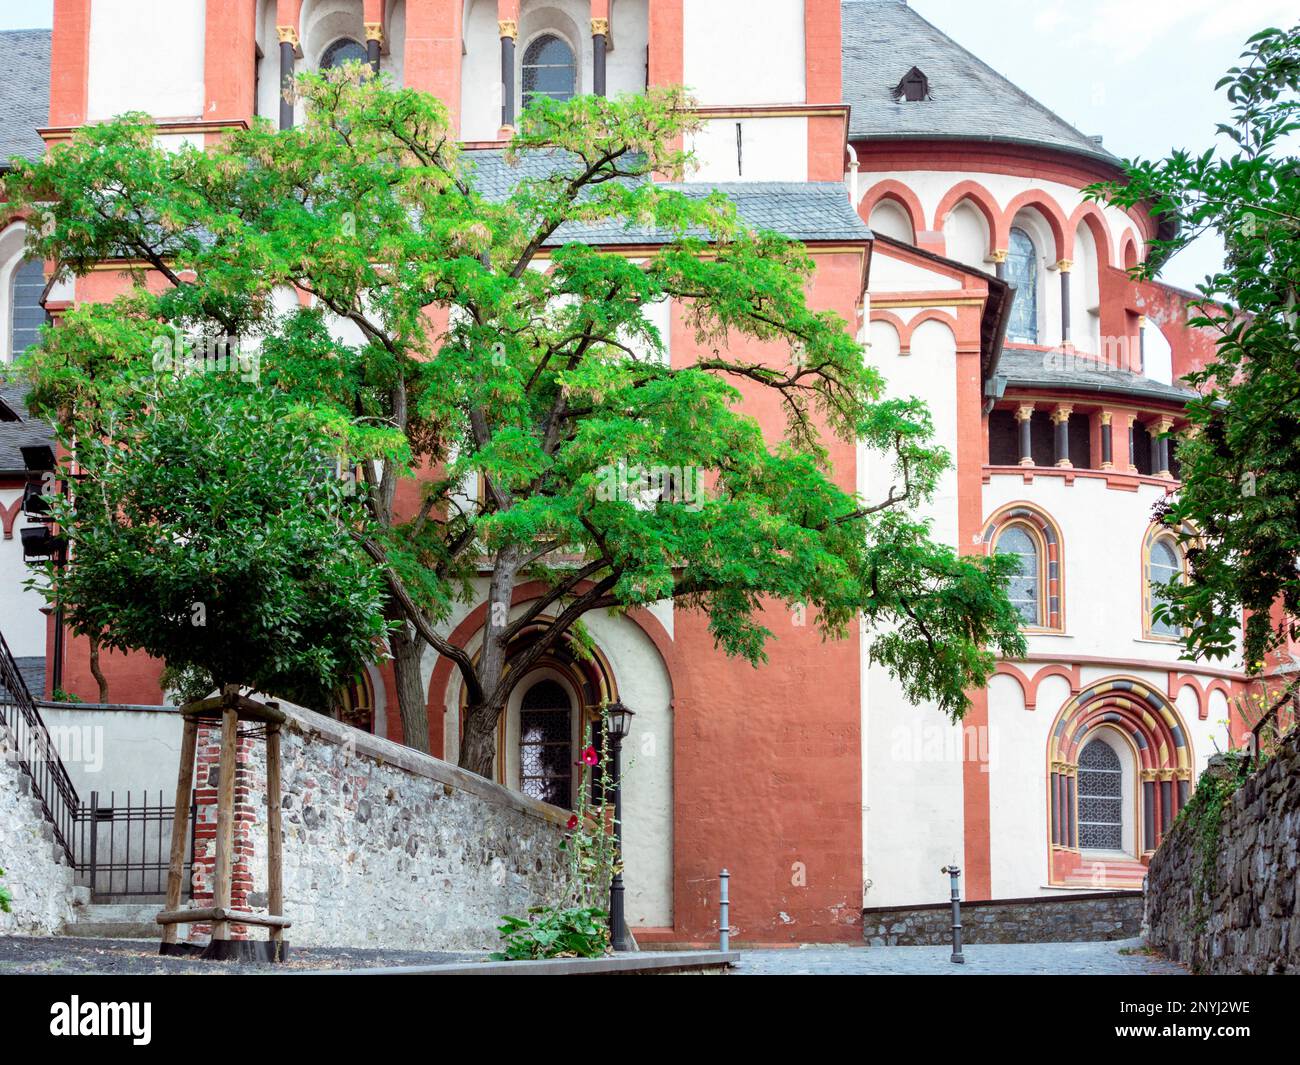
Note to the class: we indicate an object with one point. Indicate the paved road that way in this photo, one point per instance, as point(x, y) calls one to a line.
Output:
point(1034, 959)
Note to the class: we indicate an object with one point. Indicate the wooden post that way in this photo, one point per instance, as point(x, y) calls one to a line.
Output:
point(221, 888)
point(274, 839)
point(181, 822)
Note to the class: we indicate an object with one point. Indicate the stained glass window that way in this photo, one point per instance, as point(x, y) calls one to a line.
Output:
point(1022, 271)
point(1163, 567)
point(1023, 587)
point(546, 744)
point(344, 50)
point(549, 70)
point(26, 315)
point(1101, 803)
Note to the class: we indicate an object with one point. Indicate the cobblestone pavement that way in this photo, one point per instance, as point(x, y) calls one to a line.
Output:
point(1118, 958)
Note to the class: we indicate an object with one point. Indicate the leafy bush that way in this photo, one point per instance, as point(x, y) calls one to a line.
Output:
point(580, 932)
point(5, 897)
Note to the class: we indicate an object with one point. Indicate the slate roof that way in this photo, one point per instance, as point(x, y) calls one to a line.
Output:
point(24, 92)
point(884, 39)
point(16, 434)
point(1056, 370)
point(806, 211)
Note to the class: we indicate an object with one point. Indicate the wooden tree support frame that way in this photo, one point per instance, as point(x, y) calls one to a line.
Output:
point(230, 708)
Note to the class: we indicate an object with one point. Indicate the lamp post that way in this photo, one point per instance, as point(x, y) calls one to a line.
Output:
point(618, 721)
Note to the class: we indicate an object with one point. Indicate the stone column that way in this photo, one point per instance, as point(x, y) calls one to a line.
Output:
point(1064, 267)
point(509, 31)
point(1000, 263)
point(1061, 419)
point(1148, 810)
point(1107, 443)
point(1160, 441)
point(599, 46)
point(288, 36)
point(1024, 414)
point(1142, 345)
point(374, 41)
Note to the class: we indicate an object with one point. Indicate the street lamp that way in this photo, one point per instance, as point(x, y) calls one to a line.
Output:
point(618, 722)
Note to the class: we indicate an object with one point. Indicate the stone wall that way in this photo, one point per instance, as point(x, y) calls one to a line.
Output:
point(383, 846)
point(1244, 918)
point(1065, 919)
point(40, 884)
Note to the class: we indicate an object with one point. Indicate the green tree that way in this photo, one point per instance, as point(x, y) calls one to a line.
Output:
point(464, 340)
point(210, 529)
point(1239, 509)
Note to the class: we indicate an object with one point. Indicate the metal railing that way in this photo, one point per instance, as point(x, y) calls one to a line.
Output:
point(124, 845)
point(35, 753)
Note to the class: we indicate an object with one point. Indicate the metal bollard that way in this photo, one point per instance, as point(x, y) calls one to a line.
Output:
point(954, 872)
point(724, 912)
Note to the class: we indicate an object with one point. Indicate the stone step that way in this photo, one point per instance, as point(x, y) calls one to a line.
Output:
point(115, 920)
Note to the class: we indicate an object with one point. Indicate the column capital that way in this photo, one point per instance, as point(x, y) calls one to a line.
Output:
point(999, 255)
point(375, 31)
point(288, 35)
point(600, 27)
point(1106, 416)
point(1024, 412)
point(1163, 424)
point(1065, 265)
point(1142, 321)
point(508, 27)
point(1061, 413)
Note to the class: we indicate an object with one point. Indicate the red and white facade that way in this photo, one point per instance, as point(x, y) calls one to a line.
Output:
point(811, 779)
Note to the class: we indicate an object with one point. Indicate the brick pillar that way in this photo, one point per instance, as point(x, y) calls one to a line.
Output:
point(247, 796)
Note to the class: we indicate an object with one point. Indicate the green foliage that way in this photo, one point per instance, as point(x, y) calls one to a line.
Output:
point(435, 346)
point(1238, 512)
point(61, 696)
point(590, 848)
point(5, 897)
point(547, 932)
point(210, 529)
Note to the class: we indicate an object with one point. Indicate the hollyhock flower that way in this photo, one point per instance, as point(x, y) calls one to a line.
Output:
point(573, 822)
point(590, 757)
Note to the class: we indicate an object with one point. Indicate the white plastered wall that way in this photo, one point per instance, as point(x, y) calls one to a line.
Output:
point(146, 55)
point(744, 51)
point(750, 149)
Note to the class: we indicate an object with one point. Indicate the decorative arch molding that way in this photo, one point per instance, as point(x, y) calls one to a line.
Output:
point(907, 329)
point(1052, 215)
point(1179, 681)
point(981, 199)
point(1051, 563)
point(1150, 721)
point(1128, 243)
point(470, 629)
point(1089, 214)
point(897, 192)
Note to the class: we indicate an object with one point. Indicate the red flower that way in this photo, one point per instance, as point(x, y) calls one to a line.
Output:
point(590, 757)
point(573, 822)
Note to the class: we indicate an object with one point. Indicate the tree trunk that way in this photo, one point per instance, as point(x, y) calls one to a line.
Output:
point(478, 746)
point(408, 651)
point(96, 672)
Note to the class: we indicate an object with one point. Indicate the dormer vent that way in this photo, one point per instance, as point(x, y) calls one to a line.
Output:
point(914, 87)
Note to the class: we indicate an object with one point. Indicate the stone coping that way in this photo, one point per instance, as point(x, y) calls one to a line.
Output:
point(975, 904)
point(317, 726)
point(629, 964)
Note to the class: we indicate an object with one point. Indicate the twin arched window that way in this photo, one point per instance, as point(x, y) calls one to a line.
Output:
point(549, 69)
point(1022, 271)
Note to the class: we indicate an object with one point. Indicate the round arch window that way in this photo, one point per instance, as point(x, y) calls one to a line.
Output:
point(1024, 587)
point(549, 70)
point(1022, 271)
point(1164, 567)
point(344, 50)
point(546, 743)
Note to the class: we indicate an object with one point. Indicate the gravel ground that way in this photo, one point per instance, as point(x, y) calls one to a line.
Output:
point(139, 957)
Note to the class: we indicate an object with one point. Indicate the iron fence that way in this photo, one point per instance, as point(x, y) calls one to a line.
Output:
point(124, 845)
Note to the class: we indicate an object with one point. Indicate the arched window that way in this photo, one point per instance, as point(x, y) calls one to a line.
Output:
point(356, 703)
point(26, 315)
point(344, 50)
point(1022, 271)
point(549, 70)
point(1101, 797)
point(1164, 567)
point(1024, 589)
point(546, 743)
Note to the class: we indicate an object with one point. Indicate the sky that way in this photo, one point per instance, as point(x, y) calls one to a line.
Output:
point(1139, 72)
